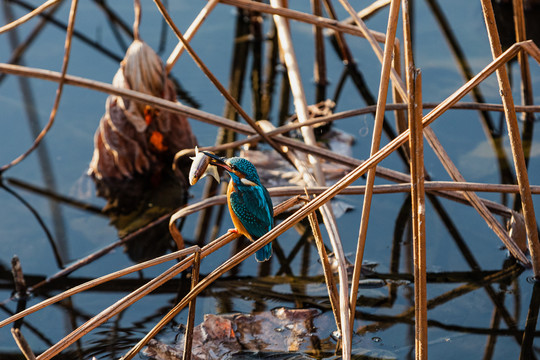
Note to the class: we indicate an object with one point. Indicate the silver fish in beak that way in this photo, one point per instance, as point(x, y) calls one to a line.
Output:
point(200, 167)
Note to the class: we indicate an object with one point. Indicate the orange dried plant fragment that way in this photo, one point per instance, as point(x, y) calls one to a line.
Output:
point(156, 139)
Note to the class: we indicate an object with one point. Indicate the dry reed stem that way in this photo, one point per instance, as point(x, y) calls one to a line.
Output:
point(300, 104)
point(418, 206)
point(250, 250)
point(116, 308)
point(45, 130)
point(220, 200)
point(23, 345)
point(446, 189)
point(418, 211)
point(190, 209)
point(188, 339)
point(311, 206)
point(526, 85)
point(375, 144)
point(98, 253)
point(28, 16)
point(303, 17)
point(515, 139)
point(369, 10)
point(405, 187)
point(32, 35)
point(398, 141)
point(190, 32)
point(215, 81)
point(93, 283)
point(327, 269)
point(396, 80)
point(473, 198)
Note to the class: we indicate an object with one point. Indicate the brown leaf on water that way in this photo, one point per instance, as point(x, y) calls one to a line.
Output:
point(133, 137)
point(280, 330)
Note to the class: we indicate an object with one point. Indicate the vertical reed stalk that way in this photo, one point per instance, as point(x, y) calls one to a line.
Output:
point(52, 116)
point(319, 72)
point(414, 79)
point(300, 104)
point(328, 273)
point(188, 339)
point(515, 140)
point(416, 145)
point(375, 143)
point(526, 86)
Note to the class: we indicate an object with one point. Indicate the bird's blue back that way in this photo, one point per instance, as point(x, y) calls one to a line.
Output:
point(252, 204)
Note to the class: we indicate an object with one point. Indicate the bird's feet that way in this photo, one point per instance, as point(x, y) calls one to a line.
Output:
point(233, 231)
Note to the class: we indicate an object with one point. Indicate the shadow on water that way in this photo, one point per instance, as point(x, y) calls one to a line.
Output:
point(477, 295)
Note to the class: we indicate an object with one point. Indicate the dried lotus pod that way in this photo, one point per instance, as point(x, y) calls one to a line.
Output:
point(133, 137)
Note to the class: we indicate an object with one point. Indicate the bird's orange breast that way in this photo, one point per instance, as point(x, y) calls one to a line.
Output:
point(236, 221)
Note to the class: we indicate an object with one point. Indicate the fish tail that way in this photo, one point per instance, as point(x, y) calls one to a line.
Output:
point(264, 254)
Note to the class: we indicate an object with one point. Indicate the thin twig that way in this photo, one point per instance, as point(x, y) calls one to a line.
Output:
point(96, 282)
point(28, 16)
point(303, 17)
point(190, 32)
point(328, 273)
point(117, 307)
point(188, 338)
point(397, 81)
point(414, 82)
point(67, 51)
point(375, 143)
point(21, 48)
point(23, 344)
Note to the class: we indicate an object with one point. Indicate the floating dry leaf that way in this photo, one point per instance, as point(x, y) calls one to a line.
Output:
point(280, 330)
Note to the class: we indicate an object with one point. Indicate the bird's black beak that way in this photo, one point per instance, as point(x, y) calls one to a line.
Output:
point(217, 160)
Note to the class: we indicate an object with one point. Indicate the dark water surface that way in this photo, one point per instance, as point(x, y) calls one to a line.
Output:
point(464, 321)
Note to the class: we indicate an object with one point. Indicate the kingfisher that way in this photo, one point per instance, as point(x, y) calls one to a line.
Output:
point(250, 205)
